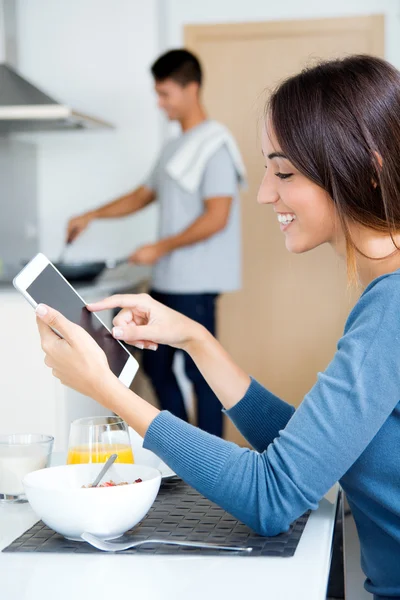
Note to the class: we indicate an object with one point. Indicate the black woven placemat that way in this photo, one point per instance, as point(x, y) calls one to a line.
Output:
point(178, 512)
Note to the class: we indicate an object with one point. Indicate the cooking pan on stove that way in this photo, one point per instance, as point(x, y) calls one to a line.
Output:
point(85, 271)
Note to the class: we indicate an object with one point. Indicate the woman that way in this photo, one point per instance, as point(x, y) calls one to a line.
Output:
point(331, 144)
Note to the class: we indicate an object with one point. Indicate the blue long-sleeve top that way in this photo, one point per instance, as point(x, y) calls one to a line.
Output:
point(346, 429)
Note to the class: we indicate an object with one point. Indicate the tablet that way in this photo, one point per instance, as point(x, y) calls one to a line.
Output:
point(40, 282)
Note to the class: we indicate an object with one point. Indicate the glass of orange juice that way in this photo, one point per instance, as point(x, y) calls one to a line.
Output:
point(94, 439)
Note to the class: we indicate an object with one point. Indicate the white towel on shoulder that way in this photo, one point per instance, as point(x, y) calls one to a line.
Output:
point(188, 163)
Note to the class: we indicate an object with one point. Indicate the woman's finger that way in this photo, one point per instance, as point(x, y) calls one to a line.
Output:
point(48, 361)
point(52, 318)
point(128, 315)
point(133, 333)
point(143, 345)
point(47, 336)
point(121, 301)
point(123, 317)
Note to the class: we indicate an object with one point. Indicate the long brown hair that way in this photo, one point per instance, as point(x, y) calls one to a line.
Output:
point(339, 124)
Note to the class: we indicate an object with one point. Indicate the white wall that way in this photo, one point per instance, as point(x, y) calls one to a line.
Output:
point(182, 12)
point(94, 55)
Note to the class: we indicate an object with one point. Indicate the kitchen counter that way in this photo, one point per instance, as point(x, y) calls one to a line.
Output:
point(36, 576)
point(120, 279)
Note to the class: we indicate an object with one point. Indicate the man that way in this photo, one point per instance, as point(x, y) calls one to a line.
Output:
point(195, 181)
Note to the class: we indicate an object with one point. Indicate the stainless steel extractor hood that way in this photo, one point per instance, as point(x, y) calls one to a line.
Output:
point(23, 106)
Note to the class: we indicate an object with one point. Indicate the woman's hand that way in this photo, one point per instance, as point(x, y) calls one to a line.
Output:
point(76, 360)
point(145, 323)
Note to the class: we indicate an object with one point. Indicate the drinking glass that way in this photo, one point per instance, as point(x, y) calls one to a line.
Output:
point(21, 453)
point(94, 439)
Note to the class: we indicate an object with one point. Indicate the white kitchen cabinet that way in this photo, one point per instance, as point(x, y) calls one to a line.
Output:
point(30, 398)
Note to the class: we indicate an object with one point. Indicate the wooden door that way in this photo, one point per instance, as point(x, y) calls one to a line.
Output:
point(282, 327)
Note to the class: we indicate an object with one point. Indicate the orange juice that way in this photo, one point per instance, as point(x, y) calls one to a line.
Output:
point(99, 453)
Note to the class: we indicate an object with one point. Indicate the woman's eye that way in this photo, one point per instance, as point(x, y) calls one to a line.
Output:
point(283, 175)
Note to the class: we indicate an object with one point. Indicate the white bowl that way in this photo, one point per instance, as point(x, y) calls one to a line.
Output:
point(57, 497)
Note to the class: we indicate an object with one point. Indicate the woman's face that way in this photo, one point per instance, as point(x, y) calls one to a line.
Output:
point(304, 211)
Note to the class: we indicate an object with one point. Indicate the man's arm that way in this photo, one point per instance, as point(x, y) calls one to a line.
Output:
point(123, 206)
point(126, 205)
point(214, 219)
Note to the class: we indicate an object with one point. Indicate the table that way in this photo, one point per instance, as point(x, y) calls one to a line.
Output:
point(150, 577)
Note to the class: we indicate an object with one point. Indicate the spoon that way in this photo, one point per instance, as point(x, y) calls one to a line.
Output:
point(104, 470)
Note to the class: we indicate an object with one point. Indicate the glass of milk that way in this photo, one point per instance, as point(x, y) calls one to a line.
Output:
point(21, 453)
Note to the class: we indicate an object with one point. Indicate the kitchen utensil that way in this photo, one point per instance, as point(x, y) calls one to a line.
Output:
point(61, 258)
point(95, 439)
point(104, 470)
point(111, 546)
point(58, 498)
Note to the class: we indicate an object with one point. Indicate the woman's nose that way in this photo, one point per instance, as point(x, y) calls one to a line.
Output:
point(267, 193)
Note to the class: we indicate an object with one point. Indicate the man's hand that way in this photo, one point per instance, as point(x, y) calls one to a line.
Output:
point(149, 254)
point(77, 225)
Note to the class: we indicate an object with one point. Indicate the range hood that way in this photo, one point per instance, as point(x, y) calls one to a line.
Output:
point(23, 106)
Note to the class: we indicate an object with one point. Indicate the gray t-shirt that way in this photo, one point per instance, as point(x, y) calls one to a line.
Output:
point(214, 264)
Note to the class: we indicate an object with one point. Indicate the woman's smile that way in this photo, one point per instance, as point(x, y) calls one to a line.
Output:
point(285, 220)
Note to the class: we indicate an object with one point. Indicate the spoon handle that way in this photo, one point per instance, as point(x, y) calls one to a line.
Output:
point(104, 470)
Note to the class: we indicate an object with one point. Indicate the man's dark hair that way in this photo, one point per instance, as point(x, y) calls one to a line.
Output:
point(179, 65)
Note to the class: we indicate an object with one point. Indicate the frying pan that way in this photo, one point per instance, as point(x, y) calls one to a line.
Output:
point(85, 270)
